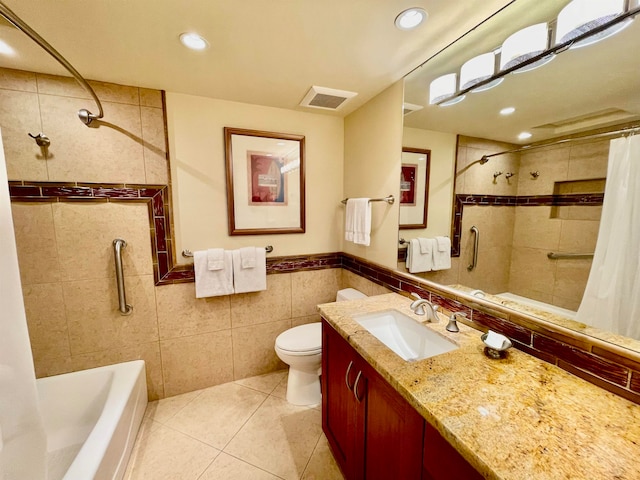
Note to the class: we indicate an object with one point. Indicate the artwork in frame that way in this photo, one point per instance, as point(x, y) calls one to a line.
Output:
point(265, 182)
point(414, 188)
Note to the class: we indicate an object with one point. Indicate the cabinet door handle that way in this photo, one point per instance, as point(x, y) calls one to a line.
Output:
point(355, 387)
point(346, 376)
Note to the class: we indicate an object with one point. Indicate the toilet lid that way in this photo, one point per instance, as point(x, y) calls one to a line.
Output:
point(304, 338)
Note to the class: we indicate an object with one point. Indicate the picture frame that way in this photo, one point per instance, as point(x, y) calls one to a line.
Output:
point(265, 182)
point(414, 188)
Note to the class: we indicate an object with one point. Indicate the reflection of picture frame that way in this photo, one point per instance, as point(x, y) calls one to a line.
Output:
point(414, 188)
point(265, 182)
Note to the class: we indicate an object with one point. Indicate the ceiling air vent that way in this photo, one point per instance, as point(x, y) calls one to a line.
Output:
point(326, 98)
point(408, 108)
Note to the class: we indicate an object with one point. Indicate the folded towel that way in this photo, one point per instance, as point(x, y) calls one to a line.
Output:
point(416, 260)
point(426, 245)
point(250, 279)
point(357, 226)
point(248, 257)
point(211, 283)
point(442, 258)
point(444, 244)
point(215, 259)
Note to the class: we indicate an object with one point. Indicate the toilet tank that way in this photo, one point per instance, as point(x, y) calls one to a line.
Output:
point(349, 294)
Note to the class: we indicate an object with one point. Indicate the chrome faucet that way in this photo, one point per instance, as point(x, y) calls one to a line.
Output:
point(452, 326)
point(418, 307)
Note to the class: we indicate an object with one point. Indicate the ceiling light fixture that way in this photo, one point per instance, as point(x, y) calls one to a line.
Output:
point(507, 111)
point(581, 16)
point(478, 69)
point(411, 18)
point(193, 41)
point(524, 45)
point(524, 136)
point(6, 49)
point(444, 87)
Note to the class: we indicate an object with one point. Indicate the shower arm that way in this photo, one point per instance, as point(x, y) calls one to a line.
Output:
point(85, 115)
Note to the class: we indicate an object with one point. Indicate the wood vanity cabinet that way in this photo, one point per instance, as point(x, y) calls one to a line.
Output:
point(373, 432)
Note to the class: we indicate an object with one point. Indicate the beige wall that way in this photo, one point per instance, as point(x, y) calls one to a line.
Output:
point(198, 171)
point(372, 154)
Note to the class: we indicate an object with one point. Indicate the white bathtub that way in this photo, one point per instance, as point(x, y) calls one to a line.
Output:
point(545, 307)
point(91, 419)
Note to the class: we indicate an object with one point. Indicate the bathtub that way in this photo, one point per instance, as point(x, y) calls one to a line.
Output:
point(545, 307)
point(91, 419)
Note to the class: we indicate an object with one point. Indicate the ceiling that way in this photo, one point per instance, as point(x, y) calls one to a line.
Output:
point(261, 52)
point(582, 89)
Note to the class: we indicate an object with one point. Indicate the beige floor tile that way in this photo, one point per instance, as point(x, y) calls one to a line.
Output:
point(322, 465)
point(264, 383)
point(279, 438)
point(281, 390)
point(226, 467)
point(163, 410)
point(161, 453)
point(216, 415)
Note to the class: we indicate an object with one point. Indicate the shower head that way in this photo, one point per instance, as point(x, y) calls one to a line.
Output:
point(86, 116)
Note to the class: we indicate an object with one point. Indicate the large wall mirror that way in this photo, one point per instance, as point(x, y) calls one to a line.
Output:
point(528, 203)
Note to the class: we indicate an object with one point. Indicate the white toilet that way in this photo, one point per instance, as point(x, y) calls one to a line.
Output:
point(301, 348)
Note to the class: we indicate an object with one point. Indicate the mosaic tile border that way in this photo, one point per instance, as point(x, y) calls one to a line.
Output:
point(597, 362)
point(514, 201)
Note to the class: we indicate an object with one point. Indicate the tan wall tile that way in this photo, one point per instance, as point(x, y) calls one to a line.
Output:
point(106, 153)
point(588, 160)
point(36, 243)
point(17, 80)
point(94, 320)
point(531, 270)
point(571, 280)
point(351, 280)
point(262, 307)
point(150, 98)
point(181, 314)
point(534, 229)
point(310, 288)
point(19, 116)
point(552, 165)
point(47, 321)
point(155, 155)
point(578, 236)
point(85, 234)
point(254, 349)
point(379, 290)
point(297, 321)
point(69, 87)
point(199, 361)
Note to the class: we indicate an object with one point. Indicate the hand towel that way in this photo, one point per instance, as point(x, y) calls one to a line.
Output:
point(248, 257)
point(416, 260)
point(212, 283)
point(442, 257)
point(357, 226)
point(215, 259)
point(250, 279)
point(425, 245)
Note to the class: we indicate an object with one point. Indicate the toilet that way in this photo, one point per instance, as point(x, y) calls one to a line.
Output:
point(301, 348)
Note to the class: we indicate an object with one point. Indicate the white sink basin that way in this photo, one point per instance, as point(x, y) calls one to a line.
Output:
point(402, 334)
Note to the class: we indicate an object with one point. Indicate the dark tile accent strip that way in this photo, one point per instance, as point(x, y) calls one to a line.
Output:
point(635, 382)
point(511, 330)
point(621, 392)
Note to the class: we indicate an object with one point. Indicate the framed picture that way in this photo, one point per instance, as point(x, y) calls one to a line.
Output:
point(265, 182)
point(414, 187)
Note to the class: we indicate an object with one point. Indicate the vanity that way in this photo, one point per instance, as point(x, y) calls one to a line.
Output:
point(460, 414)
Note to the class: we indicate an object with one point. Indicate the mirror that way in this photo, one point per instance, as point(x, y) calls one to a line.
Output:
point(414, 188)
point(527, 204)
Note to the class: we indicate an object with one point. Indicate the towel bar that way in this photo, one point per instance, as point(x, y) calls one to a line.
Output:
point(188, 253)
point(390, 200)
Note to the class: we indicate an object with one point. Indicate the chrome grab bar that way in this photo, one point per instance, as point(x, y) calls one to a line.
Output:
point(123, 306)
point(476, 241)
point(555, 256)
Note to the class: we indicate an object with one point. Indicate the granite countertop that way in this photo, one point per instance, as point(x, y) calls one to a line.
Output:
point(513, 418)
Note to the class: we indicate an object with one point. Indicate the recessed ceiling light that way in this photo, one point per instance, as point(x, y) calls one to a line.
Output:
point(507, 111)
point(411, 18)
point(193, 41)
point(524, 136)
point(6, 49)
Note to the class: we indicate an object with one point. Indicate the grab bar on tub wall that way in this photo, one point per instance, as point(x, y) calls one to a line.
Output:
point(123, 306)
point(476, 241)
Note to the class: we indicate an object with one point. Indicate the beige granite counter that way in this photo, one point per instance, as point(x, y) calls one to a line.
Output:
point(514, 418)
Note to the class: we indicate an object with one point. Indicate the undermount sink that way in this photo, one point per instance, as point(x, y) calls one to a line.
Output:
point(402, 334)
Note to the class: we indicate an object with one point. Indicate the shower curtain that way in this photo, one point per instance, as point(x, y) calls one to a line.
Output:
point(22, 437)
point(611, 299)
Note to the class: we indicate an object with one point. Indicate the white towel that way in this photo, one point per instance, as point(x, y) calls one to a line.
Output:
point(425, 245)
point(442, 253)
point(248, 257)
point(250, 279)
point(416, 260)
point(212, 283)
point(357, 225)
point(215, 259)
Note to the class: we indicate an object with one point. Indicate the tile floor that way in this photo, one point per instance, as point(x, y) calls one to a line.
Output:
point(240, 430)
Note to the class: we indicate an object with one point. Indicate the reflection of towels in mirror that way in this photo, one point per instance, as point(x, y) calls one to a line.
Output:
point(442, 253)
point(416, 260)
point(357, 222)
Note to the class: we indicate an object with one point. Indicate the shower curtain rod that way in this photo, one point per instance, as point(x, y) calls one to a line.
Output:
point(85, 115)
point(621, 132)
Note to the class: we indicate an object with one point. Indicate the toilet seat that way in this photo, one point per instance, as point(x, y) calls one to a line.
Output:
point(301, 340)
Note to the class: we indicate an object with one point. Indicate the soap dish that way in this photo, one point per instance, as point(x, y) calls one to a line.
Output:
point(494, 352)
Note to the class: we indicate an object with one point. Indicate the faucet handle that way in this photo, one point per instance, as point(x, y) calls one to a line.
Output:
point(418, 306)
point(416, 296)
point(452, 326)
